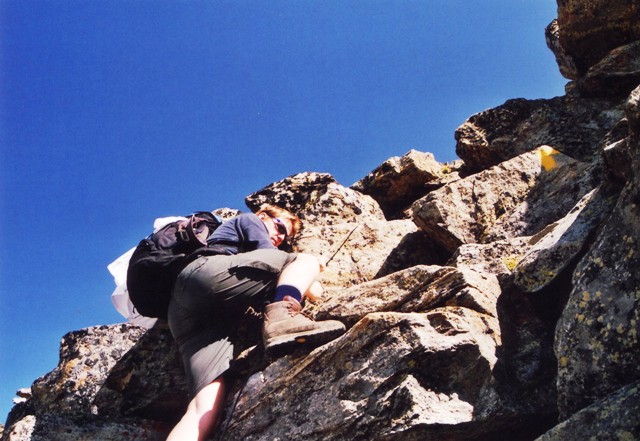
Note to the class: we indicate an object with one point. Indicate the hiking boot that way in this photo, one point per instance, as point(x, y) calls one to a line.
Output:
point(286, 329)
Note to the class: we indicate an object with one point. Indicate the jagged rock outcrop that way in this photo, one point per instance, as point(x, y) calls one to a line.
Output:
point(493, 298)
point(596, 44)
point(615, 417)
point(86, 397)
point(515, 198)
point(572, 124)
point(400, 180)
point(557, 245)
point(588, 31)
point(603, 312)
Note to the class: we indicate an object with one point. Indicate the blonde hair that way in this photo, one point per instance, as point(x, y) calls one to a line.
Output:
point(281, 213)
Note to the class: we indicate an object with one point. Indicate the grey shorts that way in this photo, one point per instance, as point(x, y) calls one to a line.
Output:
point(209, 298)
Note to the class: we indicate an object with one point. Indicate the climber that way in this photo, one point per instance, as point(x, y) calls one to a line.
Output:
point(241, 267)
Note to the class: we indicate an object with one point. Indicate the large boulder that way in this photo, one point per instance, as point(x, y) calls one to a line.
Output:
point(390, 375)
point(399, 181)
point(571, 124)
point(317, 199)
point(499, 258)
point(509, 200)
point(417, 289)
point(554, 249)
point(72, 386)
point(613, 417)
point(597, 335)
point(618, 73)
point(565, 62)
point(588, 31)
point(112, 383)
point(292, 193)
point(57, 428)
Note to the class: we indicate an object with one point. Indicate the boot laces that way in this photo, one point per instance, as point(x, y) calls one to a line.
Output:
point(294, 311)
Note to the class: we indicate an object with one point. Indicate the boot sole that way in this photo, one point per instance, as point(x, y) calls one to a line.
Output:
point(299, 341)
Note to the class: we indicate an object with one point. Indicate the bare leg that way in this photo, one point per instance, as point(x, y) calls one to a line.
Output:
point(202, 415)
point(301, 273)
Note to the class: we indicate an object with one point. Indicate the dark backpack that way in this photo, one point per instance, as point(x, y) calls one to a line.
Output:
point(159, 258)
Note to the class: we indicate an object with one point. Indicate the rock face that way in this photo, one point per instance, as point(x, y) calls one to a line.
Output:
point(496, 297)
point(588, 31)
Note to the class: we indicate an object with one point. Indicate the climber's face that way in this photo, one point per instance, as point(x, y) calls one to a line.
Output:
point(278, 228)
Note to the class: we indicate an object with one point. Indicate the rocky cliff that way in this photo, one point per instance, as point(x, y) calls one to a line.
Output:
point(495, 297)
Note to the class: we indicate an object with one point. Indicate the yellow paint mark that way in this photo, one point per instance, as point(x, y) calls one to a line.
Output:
point(546, 157)
point(511, 262)
point(563, 361)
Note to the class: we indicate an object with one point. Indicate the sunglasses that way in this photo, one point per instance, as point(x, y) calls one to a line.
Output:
point(280, 226)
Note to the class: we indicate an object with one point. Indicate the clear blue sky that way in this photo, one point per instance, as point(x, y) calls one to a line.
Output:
point(114, 112)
